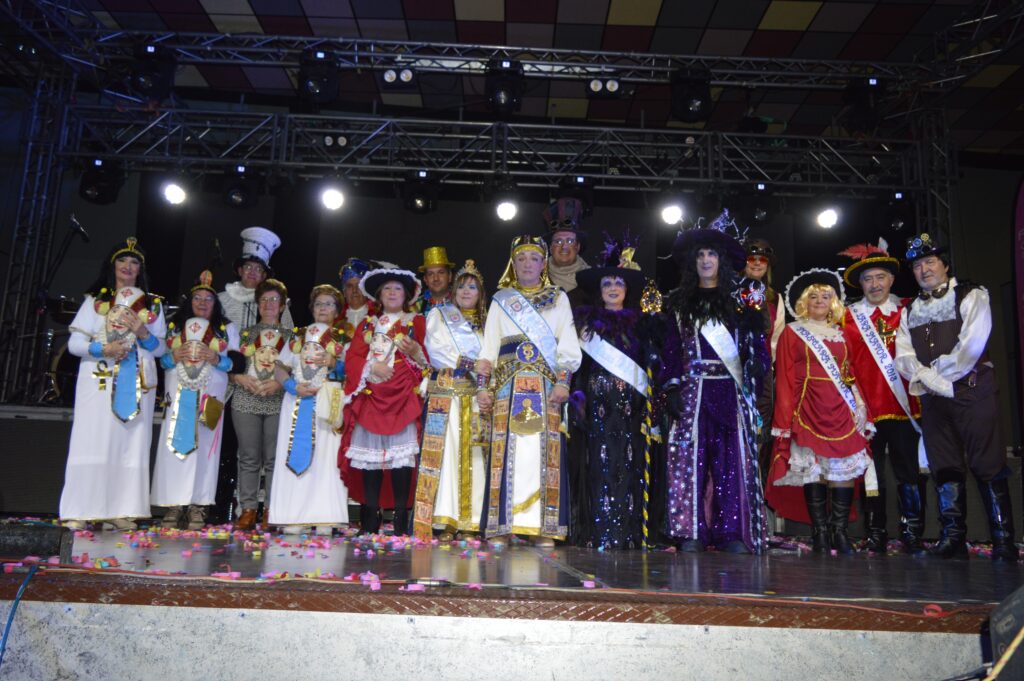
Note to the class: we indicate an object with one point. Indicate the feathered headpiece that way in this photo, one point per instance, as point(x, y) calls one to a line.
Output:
point(867, 257)
point(721, 234)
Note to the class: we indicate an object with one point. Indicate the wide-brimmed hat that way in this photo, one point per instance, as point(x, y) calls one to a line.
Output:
point(565, 215)
point(721, 234)
point(921, 246)
point(816, 275)
point(616, 261)
point(867, 257)
point(435, 256)
point(374, 279)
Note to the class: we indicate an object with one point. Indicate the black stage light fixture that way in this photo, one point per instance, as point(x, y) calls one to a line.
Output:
point(241, 187)
point(900, 211)
point(419, 192)
point(319, 77)
point(863, 98)
point(504, 86)
point(152, 72)
point(101, 182)
point(578, 187)
point(691, 95)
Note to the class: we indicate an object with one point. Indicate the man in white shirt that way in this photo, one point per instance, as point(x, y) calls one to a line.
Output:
point(941, 350)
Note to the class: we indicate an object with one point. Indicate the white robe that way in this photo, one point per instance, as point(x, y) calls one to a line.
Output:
point(107, 474)
point(318, 496)
point(192, 481)
point(568, 355)
point(444, 354)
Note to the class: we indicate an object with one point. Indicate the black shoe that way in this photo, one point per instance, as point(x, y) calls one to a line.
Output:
point(952, 514)
point(401, 522)
point(815, 494)
point(912, 503)
point(842, 499)
point(691, 546)
point(995, 496)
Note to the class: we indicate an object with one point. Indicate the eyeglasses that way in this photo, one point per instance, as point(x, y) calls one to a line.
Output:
point(252, 267)
point(326, 303)
point(757, 260)
point(270, 299)
point(570, 241)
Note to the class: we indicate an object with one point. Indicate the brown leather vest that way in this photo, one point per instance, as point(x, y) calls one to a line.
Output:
point(933, 339)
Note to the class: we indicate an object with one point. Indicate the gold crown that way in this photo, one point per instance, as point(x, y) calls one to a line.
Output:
point(470, 268)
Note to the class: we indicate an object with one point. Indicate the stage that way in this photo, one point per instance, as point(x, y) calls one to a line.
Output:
point(216, 604)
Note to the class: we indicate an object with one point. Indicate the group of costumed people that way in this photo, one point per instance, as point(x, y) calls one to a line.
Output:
point(579, 404)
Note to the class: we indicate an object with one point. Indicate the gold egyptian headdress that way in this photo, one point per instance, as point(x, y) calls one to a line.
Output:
point(522, 243)
point(131, 247)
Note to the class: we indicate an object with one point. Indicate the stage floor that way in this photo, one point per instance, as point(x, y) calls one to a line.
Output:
point(785, 587)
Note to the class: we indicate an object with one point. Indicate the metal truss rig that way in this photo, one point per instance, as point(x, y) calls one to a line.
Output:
point(455, 152)
point(264, 50)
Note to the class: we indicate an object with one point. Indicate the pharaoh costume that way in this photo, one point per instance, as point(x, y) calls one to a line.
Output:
point(941, 348)
point(307, 488)
point(714, 493)
point(107, 474)
point(451, 478)
point(188, 454)
point(531, 344)
point(870, 332)
point(613, 385)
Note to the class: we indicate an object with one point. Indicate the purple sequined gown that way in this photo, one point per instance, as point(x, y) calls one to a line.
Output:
point(713, 484)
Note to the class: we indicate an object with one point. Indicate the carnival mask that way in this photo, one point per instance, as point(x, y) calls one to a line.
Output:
point(117, 324)
point(193, 361)
point(312, 357)
point(263, 362)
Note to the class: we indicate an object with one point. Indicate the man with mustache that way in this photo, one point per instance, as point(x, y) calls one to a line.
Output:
point(870, 331)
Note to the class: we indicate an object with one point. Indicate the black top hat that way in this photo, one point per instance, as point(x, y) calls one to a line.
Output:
point(721, 235)
point(617, 259)
point(922, 246)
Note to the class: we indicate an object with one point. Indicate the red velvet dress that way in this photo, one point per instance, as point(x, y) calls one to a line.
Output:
point(384, 408)
point(813, 414)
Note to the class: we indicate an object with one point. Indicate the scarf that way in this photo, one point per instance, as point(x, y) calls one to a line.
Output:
point(564, 276)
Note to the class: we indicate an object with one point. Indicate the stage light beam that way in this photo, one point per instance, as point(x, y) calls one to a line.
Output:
point(506, 209)
point(672, 214)
point(174, 193)
point(332, 198)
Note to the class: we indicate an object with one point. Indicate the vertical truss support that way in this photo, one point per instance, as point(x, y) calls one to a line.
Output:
point(938, 174)
point(21, 326)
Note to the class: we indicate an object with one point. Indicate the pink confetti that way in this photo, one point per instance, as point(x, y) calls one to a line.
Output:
point(413, 587)
point(186, 553)
point(9, 567)
point(30, 559)
point(227, 575)
point(53, 560)
point(374, 586)
point(475, 587)
point(588, 584)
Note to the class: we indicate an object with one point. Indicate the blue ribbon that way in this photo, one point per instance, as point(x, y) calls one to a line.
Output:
point(185, 438)
point(124, 401)
point(300, 456)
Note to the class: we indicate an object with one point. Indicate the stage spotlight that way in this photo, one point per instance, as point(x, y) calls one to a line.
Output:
point(504, 86)
point(506, 209)
point(828, 218)
point(174, 192)
point(241, 188)
point(101, 182)
point(398, 76)
point(419, 192)
point(319, 78)
point(691, 95)
point(332, 197)
point(672, 214)
point(578, 187)
point(604, 88)
point(152, 72)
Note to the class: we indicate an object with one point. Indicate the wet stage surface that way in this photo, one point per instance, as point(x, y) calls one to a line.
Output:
point(782, 573)
point(785, 588)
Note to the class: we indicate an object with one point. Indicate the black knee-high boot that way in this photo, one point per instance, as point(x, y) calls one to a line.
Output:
point(369, 512)
point(401, 479)
point(995, 496)
point(912, 505)
point(815, 494)
point(842, 499)
point(952, 493)
point(875, 521)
